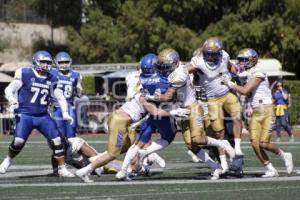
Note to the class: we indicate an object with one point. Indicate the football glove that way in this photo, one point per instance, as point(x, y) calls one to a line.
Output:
point(180, 112)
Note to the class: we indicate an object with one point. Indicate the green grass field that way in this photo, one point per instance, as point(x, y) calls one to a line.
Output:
point(29, 177)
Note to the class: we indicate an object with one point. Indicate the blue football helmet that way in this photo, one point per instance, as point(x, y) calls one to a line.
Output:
point(148, 64)
point(168, 61)
point(63, 61)
point(42, 61)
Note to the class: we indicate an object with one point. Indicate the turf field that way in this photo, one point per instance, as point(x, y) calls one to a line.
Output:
point(29, 177)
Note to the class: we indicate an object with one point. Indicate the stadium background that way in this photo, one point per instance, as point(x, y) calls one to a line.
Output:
point(121, 31)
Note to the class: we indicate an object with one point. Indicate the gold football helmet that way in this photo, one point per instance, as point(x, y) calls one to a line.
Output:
point(168, 60)
point(212, 49)
point(247, 58)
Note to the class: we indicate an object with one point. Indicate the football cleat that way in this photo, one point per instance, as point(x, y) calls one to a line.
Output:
point(216, 174)
point(5, 165)
point(146, 170)
point(195, 158)
point(158, 160)
point(81, 173)
point(99, 171)
point(288, 161)
point(63, 172)
point(270, 174)
point(122, 176)
point(238, 152)
point(237, 166)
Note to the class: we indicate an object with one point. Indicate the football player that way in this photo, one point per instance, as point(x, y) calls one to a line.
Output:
point(119, 138)
point(70, 83)
point(261, 102)
point(28, 96)
point(210, 65)
point(192, 128)
point(151, 83)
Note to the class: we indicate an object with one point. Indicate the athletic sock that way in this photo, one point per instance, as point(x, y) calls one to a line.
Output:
point(157, 146)
point(214, 142)
point(131, 153)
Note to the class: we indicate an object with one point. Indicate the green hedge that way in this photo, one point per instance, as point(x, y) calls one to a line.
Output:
point(294, 86)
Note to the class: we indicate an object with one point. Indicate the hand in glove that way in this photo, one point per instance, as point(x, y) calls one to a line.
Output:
point(68, 118)
point(13, 105)
point(226, 80)
point(180, 112)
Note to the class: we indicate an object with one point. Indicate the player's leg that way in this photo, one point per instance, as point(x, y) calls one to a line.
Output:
point(118, 135)
point(267, 145)
point(47, 127)
point(216, 116)
point(257, 136)
point(165, 127)
point(144, 137)
point(196, 129)
point(232, 106)
point(23, 129)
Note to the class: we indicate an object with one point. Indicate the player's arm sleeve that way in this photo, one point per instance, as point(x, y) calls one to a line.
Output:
point(79, 86)
point(58, 94)
point(11, 91)
point(151, 107)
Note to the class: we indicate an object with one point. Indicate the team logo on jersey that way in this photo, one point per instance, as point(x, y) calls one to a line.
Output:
point(32, 79)
point(72, 79)
point(48, 82)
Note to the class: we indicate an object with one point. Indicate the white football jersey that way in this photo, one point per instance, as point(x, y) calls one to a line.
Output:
point(180, 79)
point(262, 93)
point(132, 83)
point(134, 108)
point(210, 75)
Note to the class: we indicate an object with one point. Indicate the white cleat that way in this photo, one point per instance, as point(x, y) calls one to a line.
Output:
point(270, 174)
point(216, 174)
point(238, 152)
point(5, 165)
point(228, 148)
point(225, 167)
point(194, 158)
point(121, 175)
point(288, 161)
point(99, 171)
point(63, 172)
point(159, 160)
point(81, 173)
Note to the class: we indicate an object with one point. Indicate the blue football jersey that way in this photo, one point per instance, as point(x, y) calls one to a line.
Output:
point(33, 96)
point(68, 83)
point(155, 84)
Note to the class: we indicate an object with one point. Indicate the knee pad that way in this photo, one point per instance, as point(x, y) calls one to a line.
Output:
point(17, 145)
point(76, 143)
point(57, 147)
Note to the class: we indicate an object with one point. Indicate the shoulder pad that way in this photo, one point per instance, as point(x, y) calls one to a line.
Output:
point(178, 78)
point(257, 73)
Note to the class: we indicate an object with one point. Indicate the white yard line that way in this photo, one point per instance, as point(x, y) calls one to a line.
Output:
point(150, 182)
point(163, 194)
point(175, 142)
